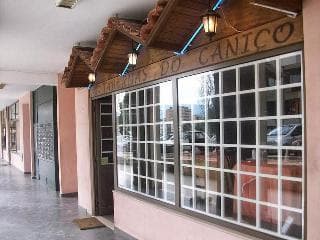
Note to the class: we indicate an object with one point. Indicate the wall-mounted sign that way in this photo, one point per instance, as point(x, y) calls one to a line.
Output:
point(280, 33)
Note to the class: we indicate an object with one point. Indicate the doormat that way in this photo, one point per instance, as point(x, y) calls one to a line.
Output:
point(88, 223)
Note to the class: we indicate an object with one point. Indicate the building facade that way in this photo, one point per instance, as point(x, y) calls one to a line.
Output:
point(219, 140)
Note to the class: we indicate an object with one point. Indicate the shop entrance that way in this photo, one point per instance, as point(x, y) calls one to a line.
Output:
point(103, 161)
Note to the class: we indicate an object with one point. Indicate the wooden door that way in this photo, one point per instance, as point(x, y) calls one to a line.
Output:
point(104, 165)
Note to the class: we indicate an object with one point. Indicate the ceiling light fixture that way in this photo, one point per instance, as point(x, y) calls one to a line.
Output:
point(210, 21)
point(66, 3)
point(133, 56)
point(92, 80)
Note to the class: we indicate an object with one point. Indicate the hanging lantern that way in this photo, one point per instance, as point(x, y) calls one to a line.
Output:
point(210, 22)
point(91, 78)
point(133, 58)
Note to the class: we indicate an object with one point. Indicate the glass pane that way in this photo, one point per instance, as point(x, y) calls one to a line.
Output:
point(213, 133)
point(199, 133)
point(247, 78)
point(160, 171)
point(149, 96)
point(269, 161)
point(268, 132)
point(187, 198)
point(187, 176)
point(106, 132)
point(213, 157)
point(292, 194)
point(248, 105)
point(268, 103)
point(267, 74)
point(199, 155)
point(199, 110)
point(291, 132)
point(248, 132)
point(291, 224)
point(248, 160)
point(290, 69)
point(200, 178)
point(230, 183)
point(291, 101)
point(212, 84)
point(159, 190)
point(248, 186)
point(151, 188)
point(229, 81)
point(230, 132)
point(292, 163)
point(141, 115)
point(200, 200)
point(268, 190)
point(230, 157)
point(133, 98)
point(191, 88)
point(214, 204)
point(141, 97)
point(170, 192)
point(229, 107)
point(269, 218)
point(213, 106)
point(170, 173)
point(186, 154)
point(185, 112)
point(214, 181)
point(149, 114)
point(133, 113)
point(230, 208)
point(248, 213)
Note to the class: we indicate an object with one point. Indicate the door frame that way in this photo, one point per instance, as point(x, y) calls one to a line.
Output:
point(95, 115)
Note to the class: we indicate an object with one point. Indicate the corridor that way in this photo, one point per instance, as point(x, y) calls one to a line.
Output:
point(30, 211)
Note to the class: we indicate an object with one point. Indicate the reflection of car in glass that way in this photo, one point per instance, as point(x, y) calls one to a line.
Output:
point(291, 135)
point(199, 137)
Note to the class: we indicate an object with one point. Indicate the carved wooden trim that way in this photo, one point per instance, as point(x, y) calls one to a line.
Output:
point(279, 33)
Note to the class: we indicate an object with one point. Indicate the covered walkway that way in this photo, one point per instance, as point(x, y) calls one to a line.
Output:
point(31, 211)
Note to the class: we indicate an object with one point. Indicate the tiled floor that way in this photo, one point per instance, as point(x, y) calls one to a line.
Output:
point(31, 211)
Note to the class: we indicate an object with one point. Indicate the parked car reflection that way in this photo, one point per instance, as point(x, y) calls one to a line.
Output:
point(291, 135)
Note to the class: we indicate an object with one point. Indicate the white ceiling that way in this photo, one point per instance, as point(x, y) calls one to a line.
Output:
point(36, 37)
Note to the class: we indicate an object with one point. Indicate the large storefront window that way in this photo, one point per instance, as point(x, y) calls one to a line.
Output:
point(145, 144)
point(241, 145)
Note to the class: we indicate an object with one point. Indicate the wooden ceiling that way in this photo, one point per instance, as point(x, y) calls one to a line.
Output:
point(79, 67)
point(176, 21)
point(114, 43)
point(167, 29)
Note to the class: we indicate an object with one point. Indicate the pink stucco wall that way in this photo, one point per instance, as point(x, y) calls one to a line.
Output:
point(311, 19)
point(22, 158)
point(147, 221)
point(84, 163)
point(66, 139)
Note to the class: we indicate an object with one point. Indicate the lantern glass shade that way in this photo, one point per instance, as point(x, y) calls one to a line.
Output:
point(210, 22)
point(133, 58)
point(92, 77)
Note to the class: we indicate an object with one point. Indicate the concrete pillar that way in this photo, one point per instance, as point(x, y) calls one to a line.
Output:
point(311, 18)
point(66, 139)
point(84, 150)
